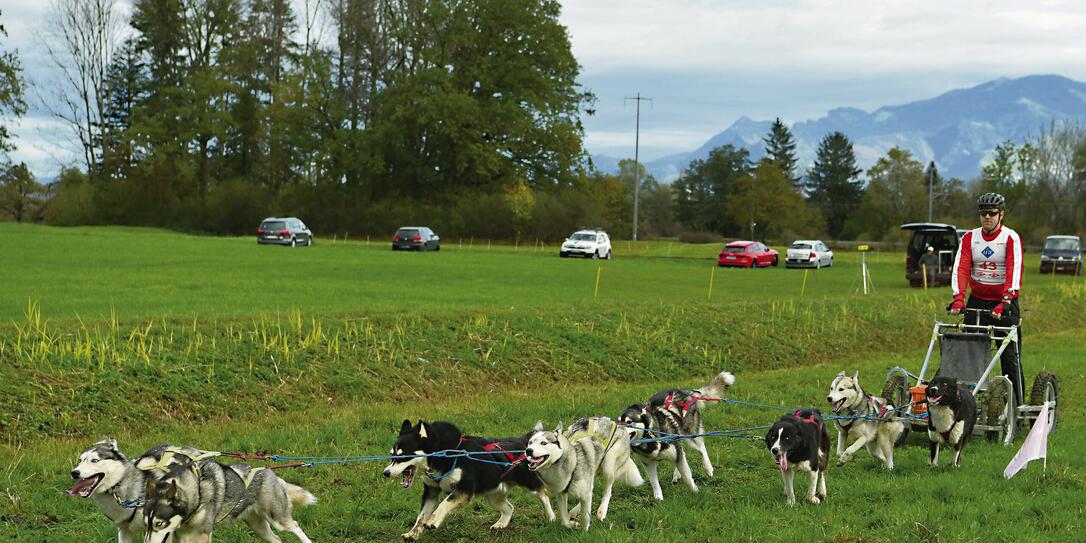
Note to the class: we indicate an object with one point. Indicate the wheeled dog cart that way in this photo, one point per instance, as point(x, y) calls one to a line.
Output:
point(964, 351)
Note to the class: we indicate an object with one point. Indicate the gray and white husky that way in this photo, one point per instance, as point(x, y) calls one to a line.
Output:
point(874, 425)
point(670, 412)
point(194, 496)
point(116, 485)
point(568, 463)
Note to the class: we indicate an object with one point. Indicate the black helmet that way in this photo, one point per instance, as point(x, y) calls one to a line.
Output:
point(991, 200)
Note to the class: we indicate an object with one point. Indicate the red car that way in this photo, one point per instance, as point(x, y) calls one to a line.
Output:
point(747, 254)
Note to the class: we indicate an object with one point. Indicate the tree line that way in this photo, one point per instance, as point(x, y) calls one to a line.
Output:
point(362, 115)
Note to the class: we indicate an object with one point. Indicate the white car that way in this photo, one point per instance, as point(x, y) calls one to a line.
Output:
point(808, 253)
point(587, 243)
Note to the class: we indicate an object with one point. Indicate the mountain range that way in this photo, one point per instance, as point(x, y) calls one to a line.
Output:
point(957, 129)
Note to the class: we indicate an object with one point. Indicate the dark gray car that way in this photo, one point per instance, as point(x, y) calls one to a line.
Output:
point(1062, 254)
point(415, 238)
point(284, 231)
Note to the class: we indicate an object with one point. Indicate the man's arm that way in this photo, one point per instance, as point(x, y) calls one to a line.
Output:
point(960, 273)
point(1013, 282)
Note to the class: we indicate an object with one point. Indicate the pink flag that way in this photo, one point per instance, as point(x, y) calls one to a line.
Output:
point(1035, 446)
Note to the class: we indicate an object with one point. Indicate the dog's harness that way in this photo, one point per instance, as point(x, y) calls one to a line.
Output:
point(809, 419)
point(451, 469)
point(687, 404)
point(513, 460)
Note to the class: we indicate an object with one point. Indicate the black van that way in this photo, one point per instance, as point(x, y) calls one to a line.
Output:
point(1062, 254)
point(944, 238)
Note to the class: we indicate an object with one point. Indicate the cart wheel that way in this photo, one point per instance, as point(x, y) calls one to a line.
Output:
point(1047, 389)
point(1002, 411)
point(896, 391)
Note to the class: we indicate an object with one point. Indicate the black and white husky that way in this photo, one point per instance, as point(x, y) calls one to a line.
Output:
point(568, 463)
point(952, 413)
point(461, 477)
point(800, 442)
point(195, 495)
point(873, 425)
point(673, 411)
point(116, 485)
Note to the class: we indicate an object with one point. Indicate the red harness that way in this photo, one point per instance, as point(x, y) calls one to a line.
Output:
point(494, 445)
point(810, 419)
point(685, 406)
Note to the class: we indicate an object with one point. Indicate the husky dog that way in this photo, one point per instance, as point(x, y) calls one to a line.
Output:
point(873, 425)
point(461, 477)
point(799, 442)
point(194, 496)
point(673, 411)
point(952, 413)
point(568, 463)
point(116, 485)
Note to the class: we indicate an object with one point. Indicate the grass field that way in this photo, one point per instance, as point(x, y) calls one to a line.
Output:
point(155, 337)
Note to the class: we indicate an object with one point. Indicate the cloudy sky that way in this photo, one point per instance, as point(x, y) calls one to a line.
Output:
point(705, 63)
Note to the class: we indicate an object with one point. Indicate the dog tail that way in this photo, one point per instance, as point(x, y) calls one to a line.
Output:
point(720, 384)
point(300, 496)
point(630, 475)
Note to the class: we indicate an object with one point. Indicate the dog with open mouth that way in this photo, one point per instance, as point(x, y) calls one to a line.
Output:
point(461, 477)
point(116, 485)
point(952, 414)
point(568, 463)
point(799, 442)
point(867, 419)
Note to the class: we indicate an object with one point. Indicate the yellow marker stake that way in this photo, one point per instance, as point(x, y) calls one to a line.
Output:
point(599, 270)
point(804, 287)
point(924, 269)
point(712, 275)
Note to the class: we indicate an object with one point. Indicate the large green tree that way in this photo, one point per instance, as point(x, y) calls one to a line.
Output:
point(11, 92)
point(780, 147)
point(21, 196)
point(833, 185)
point(702, 192)
point(766, 203)
point(896, 193)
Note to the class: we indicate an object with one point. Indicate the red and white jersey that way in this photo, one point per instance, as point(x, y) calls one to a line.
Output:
point(989, 264)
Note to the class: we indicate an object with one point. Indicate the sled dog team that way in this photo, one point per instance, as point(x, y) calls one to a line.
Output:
point(181, 494)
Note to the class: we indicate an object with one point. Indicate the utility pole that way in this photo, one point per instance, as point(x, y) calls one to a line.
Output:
point(637, 163)
point(931, 185)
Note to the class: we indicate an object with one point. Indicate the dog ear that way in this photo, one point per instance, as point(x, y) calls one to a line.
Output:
point(558, 429)
point(856, 378)
point(538, 426)
point(171, 492)
point(150, 489)
point(422, 430)
point(405, 426)
point(837, 379)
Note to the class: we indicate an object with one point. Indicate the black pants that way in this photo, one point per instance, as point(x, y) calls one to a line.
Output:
point(1009, 362)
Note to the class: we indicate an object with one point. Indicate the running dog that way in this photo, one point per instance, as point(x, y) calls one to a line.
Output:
point(873, 424)
point(952, 413)
point(194, 496)
point(799, 442)
point(461, 477)
point(568, 463)
point(673, 411)
point(116, 485)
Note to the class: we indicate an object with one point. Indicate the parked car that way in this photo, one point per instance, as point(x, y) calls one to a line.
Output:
point(283, 231)
point(1062, 254)
point(808, 253)
point(943, 238)
point(415, 238)
point(747, 254)
point(587, 243)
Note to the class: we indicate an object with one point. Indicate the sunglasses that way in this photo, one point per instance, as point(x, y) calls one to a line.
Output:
point(989, 213)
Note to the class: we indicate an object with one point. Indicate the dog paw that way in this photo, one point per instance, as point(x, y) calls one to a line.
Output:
point(814, 499)
point(659, 496)
point(709, 471)
point(499, 525)
point(843, 459)
point(569, 524)
point(791, 502)
point(410, 536)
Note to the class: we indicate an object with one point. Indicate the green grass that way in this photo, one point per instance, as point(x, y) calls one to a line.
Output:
point(504, 337)
point(93, 272)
